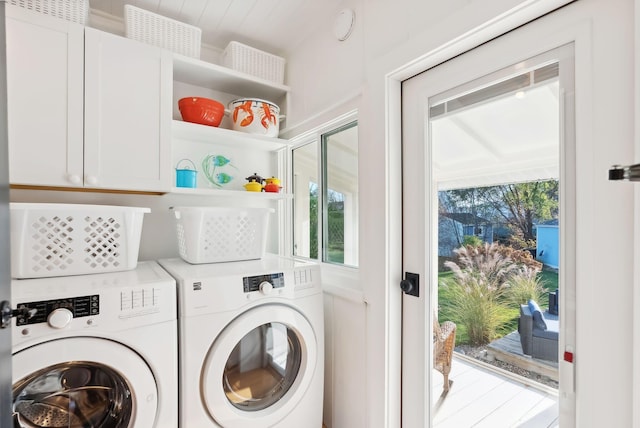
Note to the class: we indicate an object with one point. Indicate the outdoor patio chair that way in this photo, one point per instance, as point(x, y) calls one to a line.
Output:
point(539, 332)
point(444, 340)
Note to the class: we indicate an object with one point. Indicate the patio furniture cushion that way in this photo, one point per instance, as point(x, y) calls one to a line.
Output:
point(550, 333)
point(538, 318)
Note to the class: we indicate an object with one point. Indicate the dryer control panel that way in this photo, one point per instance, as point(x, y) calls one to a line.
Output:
point(83, 306)
point(252, 283)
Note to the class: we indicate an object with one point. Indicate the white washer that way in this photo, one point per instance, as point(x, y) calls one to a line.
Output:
point(251, 343)
point(100, 351)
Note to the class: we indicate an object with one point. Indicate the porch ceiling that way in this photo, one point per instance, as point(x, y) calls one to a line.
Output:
point(513, 138)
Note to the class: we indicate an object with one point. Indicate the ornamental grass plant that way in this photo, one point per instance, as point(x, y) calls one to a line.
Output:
point(488, 283)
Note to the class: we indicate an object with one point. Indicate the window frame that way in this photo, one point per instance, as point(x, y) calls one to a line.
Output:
point(318, 135)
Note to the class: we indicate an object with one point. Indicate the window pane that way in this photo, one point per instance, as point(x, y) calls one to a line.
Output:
point(305, 201)
point(340, 219)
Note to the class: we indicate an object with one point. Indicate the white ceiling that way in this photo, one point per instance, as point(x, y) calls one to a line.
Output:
point(509, 139)
point(276, 26)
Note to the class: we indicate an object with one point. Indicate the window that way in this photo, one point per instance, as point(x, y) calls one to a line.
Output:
point(325, 187)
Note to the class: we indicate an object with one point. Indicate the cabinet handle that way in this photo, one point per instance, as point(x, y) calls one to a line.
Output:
point(74, 179)
point(92, 180)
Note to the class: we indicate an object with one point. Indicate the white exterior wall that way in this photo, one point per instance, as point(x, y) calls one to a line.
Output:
point(325, 73)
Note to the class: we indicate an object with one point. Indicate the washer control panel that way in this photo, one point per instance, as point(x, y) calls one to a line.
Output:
point(77, 306)
point(256, 283)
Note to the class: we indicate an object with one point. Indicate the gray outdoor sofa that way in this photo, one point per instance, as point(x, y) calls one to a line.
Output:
point(538, 332)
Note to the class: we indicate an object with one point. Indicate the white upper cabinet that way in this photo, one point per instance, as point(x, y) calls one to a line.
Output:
point(127, 136)
point(86, 108)
point(45, 60)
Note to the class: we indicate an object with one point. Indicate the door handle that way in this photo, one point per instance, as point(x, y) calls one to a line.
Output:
point(630, 172)
point(411, 284)
point(7, 313)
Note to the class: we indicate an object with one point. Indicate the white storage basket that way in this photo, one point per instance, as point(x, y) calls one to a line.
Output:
point(158, 30)
point(255, 62)
point(68, 239)
point(221, 234)
point(70, 10)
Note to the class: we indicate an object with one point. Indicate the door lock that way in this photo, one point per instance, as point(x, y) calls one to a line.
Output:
point(411, 284)
point(6, 313)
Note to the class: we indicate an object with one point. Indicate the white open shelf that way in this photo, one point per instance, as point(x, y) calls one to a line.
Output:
point(233, 193)
point(208, 75)
point(210, 134)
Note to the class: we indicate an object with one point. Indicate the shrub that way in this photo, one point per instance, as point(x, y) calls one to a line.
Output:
point(524, 286)
point(471, 241)
point(485, 262)
point(487, 286)
point(495, 262)
point(519, 243)
point(476, 306)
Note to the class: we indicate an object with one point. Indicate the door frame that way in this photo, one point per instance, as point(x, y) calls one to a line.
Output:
point(636, 214)
point(581, 35)
point(5, 255)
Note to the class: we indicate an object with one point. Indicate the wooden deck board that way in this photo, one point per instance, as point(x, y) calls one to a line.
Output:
point(480, 397)
point(509, 350)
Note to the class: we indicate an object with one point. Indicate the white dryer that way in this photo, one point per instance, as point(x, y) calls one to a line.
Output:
point(251, 343)
point(100, 350)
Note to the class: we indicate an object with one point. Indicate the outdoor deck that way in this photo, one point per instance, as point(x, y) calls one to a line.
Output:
point(509, 350)
point(483, 396)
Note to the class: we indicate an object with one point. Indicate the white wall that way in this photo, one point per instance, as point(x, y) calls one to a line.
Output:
point(325, 73)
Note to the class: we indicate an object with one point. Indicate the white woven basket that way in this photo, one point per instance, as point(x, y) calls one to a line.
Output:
point(158, 30)
point(253, 61)
point(221, 234)
point(68, 239)
point(70, 10)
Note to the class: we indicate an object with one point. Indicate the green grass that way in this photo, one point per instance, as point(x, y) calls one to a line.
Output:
point(549, 279)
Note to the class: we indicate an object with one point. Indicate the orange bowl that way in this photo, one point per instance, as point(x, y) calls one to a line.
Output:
point(204, 111)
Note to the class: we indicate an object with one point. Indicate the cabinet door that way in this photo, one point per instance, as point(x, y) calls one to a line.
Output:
point(44, 99)
point(127, 114)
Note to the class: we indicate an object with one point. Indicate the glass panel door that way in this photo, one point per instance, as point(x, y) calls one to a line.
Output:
point(485, 153)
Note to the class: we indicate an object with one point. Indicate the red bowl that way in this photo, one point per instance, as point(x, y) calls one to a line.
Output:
point(204, 111)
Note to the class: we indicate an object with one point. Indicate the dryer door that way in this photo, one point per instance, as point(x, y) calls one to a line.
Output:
point(259, 367)
point(82, 382)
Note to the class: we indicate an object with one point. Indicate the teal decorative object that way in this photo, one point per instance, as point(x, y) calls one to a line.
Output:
point(212, 168)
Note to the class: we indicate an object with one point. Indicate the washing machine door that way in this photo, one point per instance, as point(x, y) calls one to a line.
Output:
point(82, 382)
point(259, 367)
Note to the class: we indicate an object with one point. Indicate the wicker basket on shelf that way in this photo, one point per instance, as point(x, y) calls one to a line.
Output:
point(158, 30)
point(70, 10)
point(255, 62)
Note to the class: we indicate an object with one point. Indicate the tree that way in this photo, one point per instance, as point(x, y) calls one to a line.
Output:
point(519, 205)
point(523, 204)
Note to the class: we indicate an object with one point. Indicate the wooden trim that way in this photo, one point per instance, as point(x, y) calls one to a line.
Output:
point(84, 189)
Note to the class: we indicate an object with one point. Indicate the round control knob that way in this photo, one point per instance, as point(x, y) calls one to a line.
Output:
point(60, 318)
point(92, 180)
point(266, 287)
